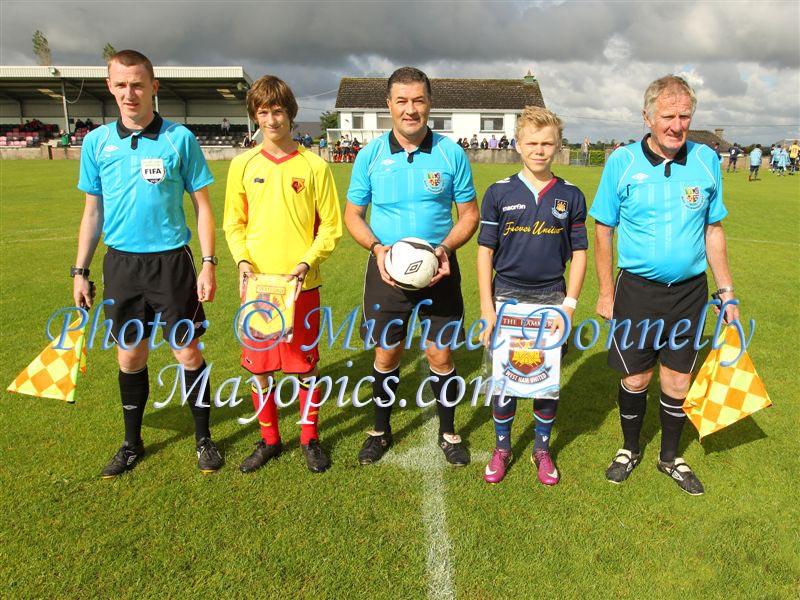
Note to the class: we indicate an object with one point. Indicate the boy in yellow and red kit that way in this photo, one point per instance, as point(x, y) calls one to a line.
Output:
point(282, 216)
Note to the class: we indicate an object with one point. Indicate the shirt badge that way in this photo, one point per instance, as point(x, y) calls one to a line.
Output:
point(433, 182)
point(560, 209)
point(692, 199)
point(298, 184)
point(152, 170)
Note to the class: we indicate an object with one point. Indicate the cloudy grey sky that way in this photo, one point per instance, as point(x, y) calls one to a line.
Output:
point(592, 59)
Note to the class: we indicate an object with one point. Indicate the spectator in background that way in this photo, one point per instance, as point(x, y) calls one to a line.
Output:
point(465, 144)
point(513, 144)
point(347, 151)
point(503, 143)
point(79, 125)
point(88, 124)
point(307, 140)
point(322, 142)
point(717, 151)
point(226, 127)
point(484, 144)
point(247, 141)
point(585, 151)
point(459, 141)
point(356, 146)
point(493, 143)
point(473, 143)
point(64, 138)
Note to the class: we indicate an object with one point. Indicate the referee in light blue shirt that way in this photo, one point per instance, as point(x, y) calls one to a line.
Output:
point(663, 195)
point(412, 177)
point(134, 173)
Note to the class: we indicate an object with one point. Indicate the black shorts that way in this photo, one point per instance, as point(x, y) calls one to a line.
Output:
point(143, 284)
point(754, 168)
point(637, 299)
point(383, 303)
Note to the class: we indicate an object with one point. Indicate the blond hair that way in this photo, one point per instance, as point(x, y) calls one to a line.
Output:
point(538, 117)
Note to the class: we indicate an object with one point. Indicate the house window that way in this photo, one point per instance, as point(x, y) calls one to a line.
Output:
point(358, 120)
point(384, 121)
point(441, 122)
point(491, 123)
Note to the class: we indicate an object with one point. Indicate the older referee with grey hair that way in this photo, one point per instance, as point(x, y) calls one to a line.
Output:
point(664, 195)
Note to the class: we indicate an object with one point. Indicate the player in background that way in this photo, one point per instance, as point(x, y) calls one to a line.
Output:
point(412, 177)
point(782, 161)
point(282, 216)
point(755, 162)
point(540, 202)
point(134, 172)
point(794, 156)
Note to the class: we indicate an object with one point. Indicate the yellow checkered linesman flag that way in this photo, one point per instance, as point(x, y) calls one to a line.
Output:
point(721, 395)
point(54, 373)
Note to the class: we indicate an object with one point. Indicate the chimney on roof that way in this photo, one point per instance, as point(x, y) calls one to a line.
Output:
point(718, 133)
point(529, 79)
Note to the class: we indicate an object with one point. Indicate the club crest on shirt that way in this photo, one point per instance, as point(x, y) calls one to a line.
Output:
point(152, 170)
point(298, 184)
point(560, 209)
point(433, 182)
point(692, 199)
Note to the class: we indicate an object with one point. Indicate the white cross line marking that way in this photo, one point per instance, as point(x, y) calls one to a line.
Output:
point(429, 460)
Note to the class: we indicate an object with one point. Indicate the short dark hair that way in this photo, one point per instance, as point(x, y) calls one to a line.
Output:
point(271, 91)
point(131, 58)
point(408, 75)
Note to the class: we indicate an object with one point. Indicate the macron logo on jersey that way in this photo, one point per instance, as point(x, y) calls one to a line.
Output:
point(514, 207)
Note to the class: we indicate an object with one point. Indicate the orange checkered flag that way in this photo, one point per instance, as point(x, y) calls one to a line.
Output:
point(721, 395)
point(54, 373)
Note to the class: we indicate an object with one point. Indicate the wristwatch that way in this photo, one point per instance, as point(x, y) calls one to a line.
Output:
point(211, 259)
point(78, 271)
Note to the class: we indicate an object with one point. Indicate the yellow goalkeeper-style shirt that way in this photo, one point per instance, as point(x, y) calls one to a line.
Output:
point(280, 212)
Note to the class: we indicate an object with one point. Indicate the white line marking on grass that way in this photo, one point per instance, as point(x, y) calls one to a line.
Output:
point(771, 242)
point(430, 461)
point(36, 240)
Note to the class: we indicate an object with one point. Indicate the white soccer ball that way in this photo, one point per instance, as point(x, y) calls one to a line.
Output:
point(411, 262)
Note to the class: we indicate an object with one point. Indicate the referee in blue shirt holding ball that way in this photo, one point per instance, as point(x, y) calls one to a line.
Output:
point(412, 177)
point(664, 198)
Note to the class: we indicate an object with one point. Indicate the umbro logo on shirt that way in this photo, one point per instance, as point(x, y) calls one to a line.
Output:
point(258, 180)
point(640, 177)
point(514, 207)
point(110, 148)
point(387, 162)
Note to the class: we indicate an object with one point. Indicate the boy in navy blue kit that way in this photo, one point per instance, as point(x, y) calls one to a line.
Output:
point(532, 224)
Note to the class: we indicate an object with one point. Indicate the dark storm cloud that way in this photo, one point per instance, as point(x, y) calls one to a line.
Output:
point(592, 57)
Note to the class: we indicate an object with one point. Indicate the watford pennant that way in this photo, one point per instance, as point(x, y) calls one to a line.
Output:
point(269, 301)
point(720, 396)
point(54, 373)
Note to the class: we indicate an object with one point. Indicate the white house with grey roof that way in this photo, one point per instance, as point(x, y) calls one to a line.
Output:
point(461, 107)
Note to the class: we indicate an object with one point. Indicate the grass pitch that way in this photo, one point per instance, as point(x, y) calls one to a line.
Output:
point(409, 527)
